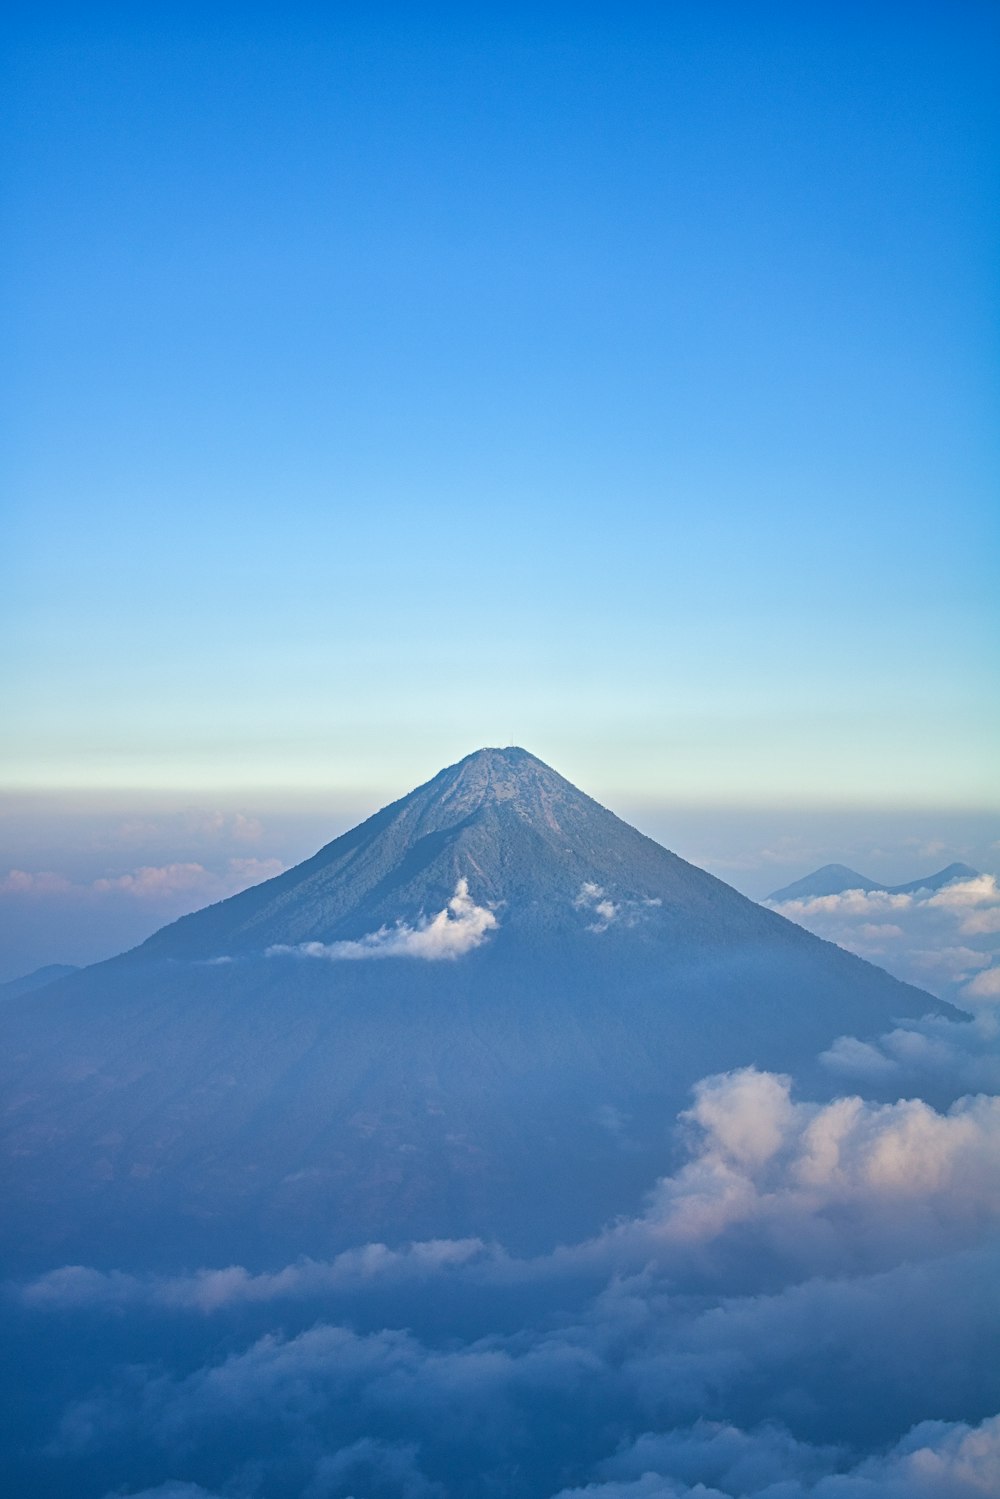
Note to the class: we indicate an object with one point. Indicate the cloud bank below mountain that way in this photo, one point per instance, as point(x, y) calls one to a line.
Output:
point(804, 1309)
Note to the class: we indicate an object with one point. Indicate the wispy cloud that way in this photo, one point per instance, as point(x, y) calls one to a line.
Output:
point(210, 1291)
point(593, 900)
point(150, 882)
point(457, 929)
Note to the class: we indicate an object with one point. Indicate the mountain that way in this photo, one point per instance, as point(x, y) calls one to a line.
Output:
point(946, 876)
point(28, 982)
point(834, 879)
point(476, 1013)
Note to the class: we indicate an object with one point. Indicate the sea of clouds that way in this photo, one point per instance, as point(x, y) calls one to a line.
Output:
point(808, 1306)
point(947, 941)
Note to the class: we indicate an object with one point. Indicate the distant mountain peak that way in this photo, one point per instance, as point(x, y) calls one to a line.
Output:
point(830, 879)
point(835, 879)
point(38, 979)
point(947, 876)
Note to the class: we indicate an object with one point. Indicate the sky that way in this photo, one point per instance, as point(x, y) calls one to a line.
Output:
point(388, 381)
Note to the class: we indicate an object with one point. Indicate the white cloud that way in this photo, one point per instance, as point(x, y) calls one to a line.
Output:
point(962, 894)
point(453, 931)
point(984, 985)
point(816, 1186)
point(937, 939)
point(594, 901)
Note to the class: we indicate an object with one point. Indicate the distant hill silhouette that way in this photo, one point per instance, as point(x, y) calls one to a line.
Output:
point(28, 982)
point(475, 1013)
point(834, 879)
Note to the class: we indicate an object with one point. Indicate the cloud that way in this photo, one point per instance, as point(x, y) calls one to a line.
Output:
point(595, 901)
point(803, 1309)
point(938, 939)
point(947, 1057)
point(208, 1291)
point(935, 1460)
point(152, 881)
point(149, 882)
point(42, 882)
point(733, 1393)
point(389, 1467)
point(592, 899)
point(168, 1490)
point(714, 1452)
point(188, 826)
point(776, 1188)
point(984, 985)
point(772, 1188)
point(453, 931)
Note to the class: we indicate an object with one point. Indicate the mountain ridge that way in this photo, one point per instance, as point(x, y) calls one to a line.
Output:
point(835, 879)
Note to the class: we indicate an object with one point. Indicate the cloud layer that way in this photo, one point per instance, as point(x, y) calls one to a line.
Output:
point(805, 1309)
point(149, 882)
point(936, 1460)
point(943, 940)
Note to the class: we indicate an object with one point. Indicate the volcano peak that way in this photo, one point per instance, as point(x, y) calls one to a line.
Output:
point(496, 777)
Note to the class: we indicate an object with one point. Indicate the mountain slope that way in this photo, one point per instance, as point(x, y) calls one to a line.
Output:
point(475, 1013)
point(943, 877)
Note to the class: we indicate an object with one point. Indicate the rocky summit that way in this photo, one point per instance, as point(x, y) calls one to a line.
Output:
point(474, 1014)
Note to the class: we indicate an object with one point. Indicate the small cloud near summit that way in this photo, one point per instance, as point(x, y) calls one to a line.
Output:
point(459, 928)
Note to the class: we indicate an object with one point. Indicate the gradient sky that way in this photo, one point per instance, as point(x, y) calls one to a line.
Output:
point(616, 381)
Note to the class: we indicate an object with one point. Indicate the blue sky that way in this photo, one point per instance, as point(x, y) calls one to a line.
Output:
point(617, 381)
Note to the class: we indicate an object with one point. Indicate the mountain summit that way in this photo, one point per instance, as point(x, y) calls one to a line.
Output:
point(475, 1013)
point(543, 858)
